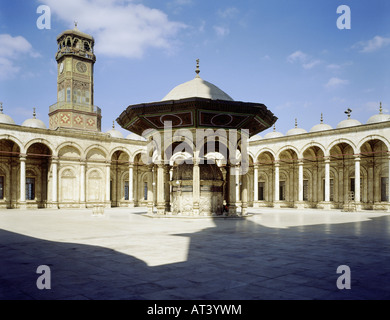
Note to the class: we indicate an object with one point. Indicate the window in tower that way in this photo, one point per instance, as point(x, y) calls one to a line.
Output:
point(68, 94)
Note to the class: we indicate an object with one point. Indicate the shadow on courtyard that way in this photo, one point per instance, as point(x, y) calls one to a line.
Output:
point(235, 260)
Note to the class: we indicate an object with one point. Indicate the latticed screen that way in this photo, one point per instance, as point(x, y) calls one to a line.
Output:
point(30, 189)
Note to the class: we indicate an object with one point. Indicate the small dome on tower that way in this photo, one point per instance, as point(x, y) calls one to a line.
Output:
point(197, 88)
point(273, 134)
point(115, 133)
point(379, 117)
point(5, 118)
point(349, 122)
point(321, 126)
point(295, 130)
point(34, 122)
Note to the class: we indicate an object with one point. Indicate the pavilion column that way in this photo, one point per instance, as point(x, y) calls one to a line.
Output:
point(160, 189)
point(357, 181)
point(150, 190)
point(196, 187)
point(54, 191)
point(232, 190)
point(82, 184)
point(108, 181)
point(131, 186)
point(256, 186)
point(23, 203)
point(276, 191)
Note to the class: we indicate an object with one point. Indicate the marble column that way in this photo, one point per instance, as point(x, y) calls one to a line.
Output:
point(357, 181)
point(196, 187)
point(231, 176)
point(167, 188)
point(82, 185)
point(277, 195)
point(238, 186)
point(160, 189)
point(131, 186)
point(256, 186)
point(108, 187)
point(150, 190)
point(23, 203)
point(327, 180)
point(54, 190)
point(244, 196)
point(300, 204)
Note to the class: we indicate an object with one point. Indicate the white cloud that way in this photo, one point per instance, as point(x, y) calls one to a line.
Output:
point(221, 31)
point(372, 45)
point(11, 49)
point(228, 13)
point(297, 56)
point(121, 28)
point(302, 58)
point(336, 82)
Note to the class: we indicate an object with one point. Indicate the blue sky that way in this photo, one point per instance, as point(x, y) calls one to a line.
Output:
point(287, 54)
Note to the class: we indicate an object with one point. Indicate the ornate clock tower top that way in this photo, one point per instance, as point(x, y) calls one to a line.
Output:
point(75, 106)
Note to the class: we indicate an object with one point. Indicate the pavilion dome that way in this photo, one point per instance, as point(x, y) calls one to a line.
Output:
point(295, 130)
point(273, 134)
point(197, 88)
point(34, 122)
point(5, 118)
point(321, 126)
point(115, 133)
point(379, 117)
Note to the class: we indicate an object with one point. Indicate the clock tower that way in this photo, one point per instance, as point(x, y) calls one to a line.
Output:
point(75, 107)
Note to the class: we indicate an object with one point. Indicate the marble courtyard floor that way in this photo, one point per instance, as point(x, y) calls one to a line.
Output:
point(274, 254)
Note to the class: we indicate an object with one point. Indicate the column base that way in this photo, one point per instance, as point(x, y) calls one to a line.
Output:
point(22, 205)
point(131, 204)
point(244, 210)
point(161, 209)
point(232, 210)
point(53, 205)
point(150, 208)
point(300, 205)
point(277, 205)
point(324, 205)
point(256, 204)
point(196, 209)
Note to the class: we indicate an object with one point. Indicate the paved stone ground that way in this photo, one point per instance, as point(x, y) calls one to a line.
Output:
point(275, 254)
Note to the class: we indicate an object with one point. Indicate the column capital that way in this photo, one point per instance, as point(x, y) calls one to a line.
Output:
point(22, 157)
point(131, 165)
point(256, 167)
point(357, 157)
point(276, 163)
point(300, 162)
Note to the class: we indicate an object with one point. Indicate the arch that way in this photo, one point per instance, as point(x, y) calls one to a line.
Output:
point(40, 141)
point(340, 141)
point(70, 144)
point(14, 140)
point(96, 152)
point(69, 152)
point(286, 148)
point(139, 152)
point(68, 185)
point(266, 151)
point(123, 149)
point(371, 138)
point(310, 145)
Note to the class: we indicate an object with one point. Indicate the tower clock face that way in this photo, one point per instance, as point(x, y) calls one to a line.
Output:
point(81, 67)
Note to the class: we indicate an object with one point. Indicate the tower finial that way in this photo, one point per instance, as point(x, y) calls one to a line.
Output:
point(1, 108)
point(322, 118)
point(296, 123)
point(34, 114)
point(113, 124)
point(75, 24)
point(274, 127)
point(197, 68)
point(380, 108)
